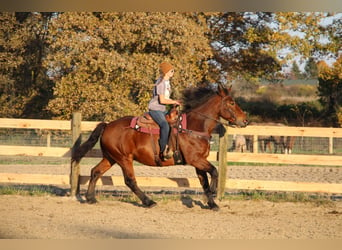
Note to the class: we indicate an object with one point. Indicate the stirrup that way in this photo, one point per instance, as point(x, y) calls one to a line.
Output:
point(167, 154)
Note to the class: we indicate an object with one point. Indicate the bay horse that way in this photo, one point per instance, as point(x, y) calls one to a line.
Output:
point(121, 144)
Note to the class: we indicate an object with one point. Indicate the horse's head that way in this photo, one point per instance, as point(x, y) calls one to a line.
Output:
point(229, 110)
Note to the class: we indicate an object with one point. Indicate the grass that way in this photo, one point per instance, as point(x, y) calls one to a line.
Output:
point(167, 196)
point(32, 190)
point(280, 197)
point(188, 195)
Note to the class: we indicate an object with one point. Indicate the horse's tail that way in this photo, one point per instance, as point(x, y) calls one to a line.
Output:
point(81, 151)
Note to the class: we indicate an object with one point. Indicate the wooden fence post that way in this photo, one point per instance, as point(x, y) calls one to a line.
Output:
point(222, 169)
point(331, 145)
point(255, 144)
point(76, 141)
point(48, 139)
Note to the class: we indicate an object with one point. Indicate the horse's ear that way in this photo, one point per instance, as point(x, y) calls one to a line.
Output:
point(222, 91)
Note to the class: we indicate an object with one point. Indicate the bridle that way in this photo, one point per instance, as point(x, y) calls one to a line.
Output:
point(210, 118)
point(229, 123)
point(204, 134)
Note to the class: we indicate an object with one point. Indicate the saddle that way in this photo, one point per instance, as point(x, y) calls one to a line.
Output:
point(146, 124)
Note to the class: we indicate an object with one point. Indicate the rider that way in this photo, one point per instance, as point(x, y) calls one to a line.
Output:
point(157, 106)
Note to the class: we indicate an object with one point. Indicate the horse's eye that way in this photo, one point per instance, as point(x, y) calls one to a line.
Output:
point(232, 103)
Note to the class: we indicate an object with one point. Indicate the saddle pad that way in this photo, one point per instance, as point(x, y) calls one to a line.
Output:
point(148, 129)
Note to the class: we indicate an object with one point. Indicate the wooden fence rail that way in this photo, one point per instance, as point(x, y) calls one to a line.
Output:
point(255, 131)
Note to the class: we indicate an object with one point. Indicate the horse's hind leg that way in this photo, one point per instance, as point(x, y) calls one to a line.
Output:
point(130, 181)
point(96, 173)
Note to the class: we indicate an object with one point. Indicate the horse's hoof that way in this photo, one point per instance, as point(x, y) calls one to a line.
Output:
point(217, 208)
point(214, 207)
point(91, 200)
point(150, 204)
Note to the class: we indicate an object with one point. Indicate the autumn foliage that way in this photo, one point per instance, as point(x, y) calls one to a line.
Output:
point(105, 64)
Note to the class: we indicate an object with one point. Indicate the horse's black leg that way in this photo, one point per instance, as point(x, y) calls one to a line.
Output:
point(209, 189)
point(214, 179)
point(130, 181)
point(202, 176)
point(96, 173)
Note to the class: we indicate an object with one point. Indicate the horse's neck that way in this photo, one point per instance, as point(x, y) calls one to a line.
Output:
point(204, 118)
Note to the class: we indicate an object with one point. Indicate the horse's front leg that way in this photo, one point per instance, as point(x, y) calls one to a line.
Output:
point(209, 189)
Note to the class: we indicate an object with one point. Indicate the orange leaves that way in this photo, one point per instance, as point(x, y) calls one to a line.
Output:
point(330, 73)
point(106, 63)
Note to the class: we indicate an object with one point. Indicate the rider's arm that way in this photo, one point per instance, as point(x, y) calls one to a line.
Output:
point(165, 101)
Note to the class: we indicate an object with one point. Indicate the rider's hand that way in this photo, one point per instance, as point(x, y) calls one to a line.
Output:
point(178, 102)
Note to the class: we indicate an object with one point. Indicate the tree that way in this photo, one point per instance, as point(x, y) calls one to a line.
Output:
point(330, 91)
point(296, 71)
point(24, 87)
point(254, 45)
point(310, 68)
point(105, 64)
point(11, 59)
point(239, 40)
point(307, 35)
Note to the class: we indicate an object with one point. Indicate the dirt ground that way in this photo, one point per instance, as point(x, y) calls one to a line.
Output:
point(185, 217)
point(49, 217)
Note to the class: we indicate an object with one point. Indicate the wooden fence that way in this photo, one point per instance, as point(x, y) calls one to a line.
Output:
point(255, 157)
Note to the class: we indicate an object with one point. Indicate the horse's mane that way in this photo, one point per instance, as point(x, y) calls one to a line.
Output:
point(195, 96)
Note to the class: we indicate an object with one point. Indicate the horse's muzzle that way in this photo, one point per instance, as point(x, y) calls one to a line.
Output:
point(242, 123)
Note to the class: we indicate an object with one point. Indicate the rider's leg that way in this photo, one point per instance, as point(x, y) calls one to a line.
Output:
point(159, 118)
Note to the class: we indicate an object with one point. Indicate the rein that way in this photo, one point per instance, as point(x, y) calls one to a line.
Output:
point(188, 131)
point(195, 133)
point(211, 118)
